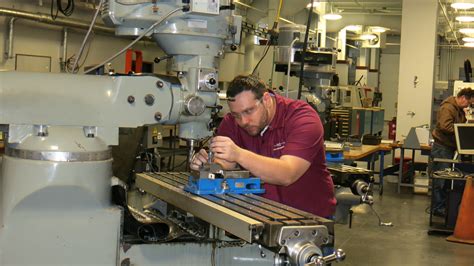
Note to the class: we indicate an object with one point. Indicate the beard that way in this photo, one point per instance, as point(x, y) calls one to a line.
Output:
point(254, 130)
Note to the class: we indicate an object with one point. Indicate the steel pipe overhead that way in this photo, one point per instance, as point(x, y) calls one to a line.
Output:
point(11, 25)
point(448, 21)
point(64, 50)
point(378, 13)
point(46, 18)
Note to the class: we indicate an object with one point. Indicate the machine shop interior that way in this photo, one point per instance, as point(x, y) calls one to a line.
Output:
point(106, 104)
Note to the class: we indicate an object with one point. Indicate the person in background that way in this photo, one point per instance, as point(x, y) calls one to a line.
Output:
point(277, 139)
point(451, 112)
point(467, 70)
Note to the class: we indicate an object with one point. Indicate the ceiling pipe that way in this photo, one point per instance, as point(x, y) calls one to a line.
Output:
point(59, 21)
point(11, 25)
point(286, 20)
point(398, 14)
point(367, 3)
point(449, 22)
point(449, 46)
point(250, 7)
point(64, 50)
point(265, 12)
point(291, 22)
point(335, 40)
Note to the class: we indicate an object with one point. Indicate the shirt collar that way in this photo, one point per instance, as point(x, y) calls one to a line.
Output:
point(280, 107)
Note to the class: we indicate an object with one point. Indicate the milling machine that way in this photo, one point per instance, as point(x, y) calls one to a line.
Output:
point(319, 66)
point(56, 174)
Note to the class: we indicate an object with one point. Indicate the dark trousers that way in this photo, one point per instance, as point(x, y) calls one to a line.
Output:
point(439, 185)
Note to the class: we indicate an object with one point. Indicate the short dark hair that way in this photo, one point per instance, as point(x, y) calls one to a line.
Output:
point(466, 92)
point(246, 83)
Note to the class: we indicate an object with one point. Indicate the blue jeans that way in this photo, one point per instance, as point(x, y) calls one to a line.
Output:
point(438, 202)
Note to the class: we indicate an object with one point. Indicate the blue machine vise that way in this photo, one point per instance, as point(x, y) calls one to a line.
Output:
point(207, 182)
point(334, 152)
point(334, 157)
point(205, 186)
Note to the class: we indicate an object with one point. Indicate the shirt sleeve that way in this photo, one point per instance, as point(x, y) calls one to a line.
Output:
point(445, 119)
point(305, 134)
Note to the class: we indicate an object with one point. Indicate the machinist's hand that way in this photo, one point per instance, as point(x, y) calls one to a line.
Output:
point(199, 159)
point(225, 149)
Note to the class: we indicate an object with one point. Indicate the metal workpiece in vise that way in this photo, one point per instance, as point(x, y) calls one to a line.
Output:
point(301, 245)
point(209, 170)
point(210, 156)
point(211, 178)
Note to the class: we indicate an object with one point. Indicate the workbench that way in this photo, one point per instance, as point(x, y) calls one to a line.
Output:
point(424, 148)
point(369, 154)
point(360, 153)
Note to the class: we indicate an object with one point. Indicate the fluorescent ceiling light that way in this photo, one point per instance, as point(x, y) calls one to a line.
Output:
point(378, 29)
point(332, 16)
point(469, 44)
point(462, 5)
point(368, 36)
point(354, 27)
point(468, 39)
point(465, 18)
point(466, 30)
point(315, 4)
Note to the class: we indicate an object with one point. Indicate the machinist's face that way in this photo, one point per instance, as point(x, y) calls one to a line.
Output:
point(465, 102)
point(250, 113)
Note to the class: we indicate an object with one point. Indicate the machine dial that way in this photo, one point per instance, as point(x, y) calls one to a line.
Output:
point(194, 105)
point(210, 81)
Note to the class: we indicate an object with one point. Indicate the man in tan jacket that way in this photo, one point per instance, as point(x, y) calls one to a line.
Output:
point(450, 113)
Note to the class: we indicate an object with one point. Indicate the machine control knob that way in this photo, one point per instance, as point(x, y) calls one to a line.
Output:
point(338, 255)
point(195, 105)
point(149, 99)
point(158, 116)
point(130, 99)
point(160, 84)
point(212, 81)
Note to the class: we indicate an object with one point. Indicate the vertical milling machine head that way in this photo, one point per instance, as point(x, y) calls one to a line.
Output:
point(195, 39)
point(319, 65)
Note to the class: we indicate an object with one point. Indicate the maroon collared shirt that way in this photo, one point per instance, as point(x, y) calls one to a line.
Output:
point(295, 130)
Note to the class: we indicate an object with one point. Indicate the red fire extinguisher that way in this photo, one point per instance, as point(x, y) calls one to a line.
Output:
point(392, 128)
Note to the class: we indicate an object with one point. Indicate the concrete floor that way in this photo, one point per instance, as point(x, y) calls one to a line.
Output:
point(406, 243)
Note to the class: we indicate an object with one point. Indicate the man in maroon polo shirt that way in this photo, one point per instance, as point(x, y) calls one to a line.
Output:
point(277, 139)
